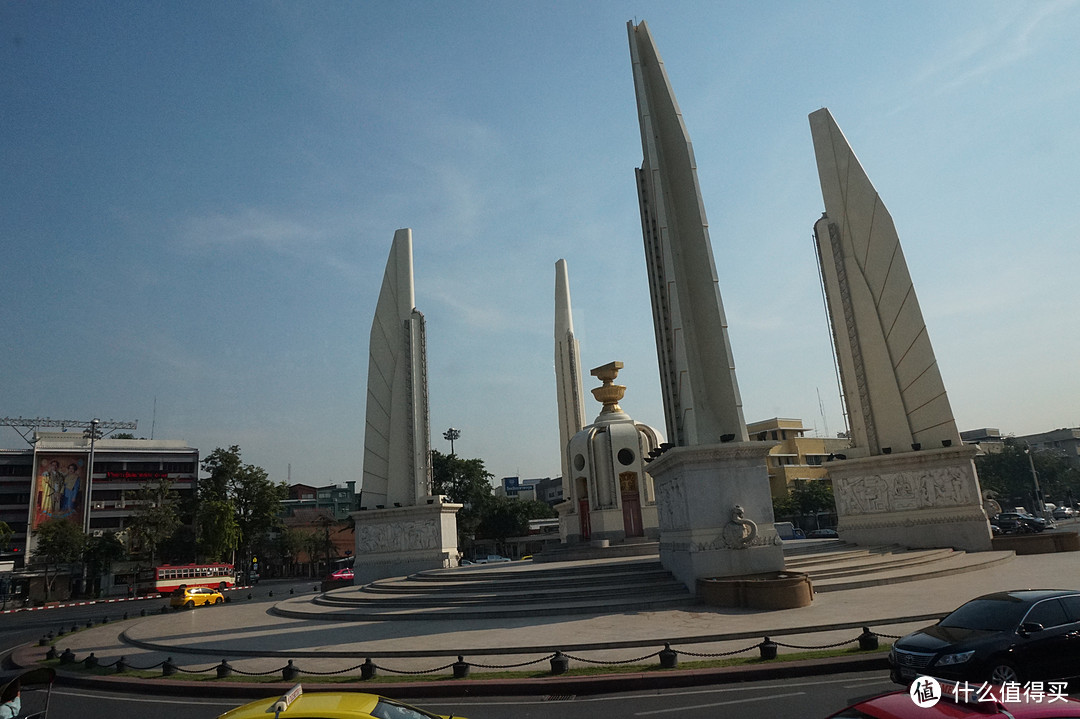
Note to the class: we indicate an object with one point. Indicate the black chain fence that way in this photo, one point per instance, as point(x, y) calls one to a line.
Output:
point(559, 661)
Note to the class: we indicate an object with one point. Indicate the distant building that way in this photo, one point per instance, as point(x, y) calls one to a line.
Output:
point(1065, 441)
point(798, 457)
point(337, 500)
point(988, 438)
point(48, 481)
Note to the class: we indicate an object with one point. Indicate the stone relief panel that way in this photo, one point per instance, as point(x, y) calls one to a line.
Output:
point(904, 491)
point(401, 537)
point(671, 505)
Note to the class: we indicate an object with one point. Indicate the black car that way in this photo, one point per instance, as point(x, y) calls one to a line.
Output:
point(1019, 523)
point(1017, 636)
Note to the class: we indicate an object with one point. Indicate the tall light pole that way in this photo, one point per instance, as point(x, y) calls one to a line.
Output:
point(452, 434)
point(1039, 504)
point(92, 433)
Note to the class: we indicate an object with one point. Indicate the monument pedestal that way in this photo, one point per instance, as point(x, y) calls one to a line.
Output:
point(924, 499)
point(403, 540)
point(715, 512)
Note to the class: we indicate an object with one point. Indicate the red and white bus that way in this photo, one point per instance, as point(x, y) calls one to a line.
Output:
point(168, 577)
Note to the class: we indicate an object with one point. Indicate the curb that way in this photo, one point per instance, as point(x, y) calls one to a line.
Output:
point(28, 655)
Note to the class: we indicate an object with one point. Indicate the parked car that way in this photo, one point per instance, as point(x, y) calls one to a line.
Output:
point(492, 559)
point(900, 705)
point(343, 573)
point(1014, 636)
point(191, 597)
point(1064, 513)
point(1019, 523)
point(822, 534)
point(295, 704)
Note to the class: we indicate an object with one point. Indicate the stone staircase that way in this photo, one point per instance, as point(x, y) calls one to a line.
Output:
point(834, 565)
point(610, 585)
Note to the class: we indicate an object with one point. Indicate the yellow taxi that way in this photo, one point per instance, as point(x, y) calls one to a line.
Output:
point(191, 597)
point(295, 704)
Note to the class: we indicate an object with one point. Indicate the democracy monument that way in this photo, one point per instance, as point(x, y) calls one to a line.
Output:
point(703, 495)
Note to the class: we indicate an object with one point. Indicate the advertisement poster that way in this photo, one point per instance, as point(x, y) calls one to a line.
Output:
point(59, 482)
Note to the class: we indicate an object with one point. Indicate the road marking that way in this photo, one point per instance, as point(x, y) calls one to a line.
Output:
point(721, 704)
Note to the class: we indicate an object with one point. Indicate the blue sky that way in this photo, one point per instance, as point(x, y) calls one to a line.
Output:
point(198, 200)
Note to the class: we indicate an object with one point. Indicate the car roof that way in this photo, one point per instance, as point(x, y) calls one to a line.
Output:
point(1028, 595)
point(899, 705)
point(331, 705)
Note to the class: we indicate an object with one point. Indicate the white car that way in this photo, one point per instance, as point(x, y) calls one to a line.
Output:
point(492, 559)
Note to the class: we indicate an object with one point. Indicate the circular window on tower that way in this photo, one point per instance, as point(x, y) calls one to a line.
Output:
point(626, 457)
point(579, 462)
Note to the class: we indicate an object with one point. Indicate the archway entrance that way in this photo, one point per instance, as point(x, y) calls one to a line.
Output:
point(631, 505)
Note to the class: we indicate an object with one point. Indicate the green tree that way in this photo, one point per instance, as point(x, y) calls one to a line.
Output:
point(464, 481)
point(6, 532)
point(256, 500)
point(59, 542)
point(99, 555)
point(505, 517)
point(1008, 474)
point(156, 518)
point(219, 532)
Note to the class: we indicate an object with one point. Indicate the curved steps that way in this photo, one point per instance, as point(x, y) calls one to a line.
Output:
point(609, 586)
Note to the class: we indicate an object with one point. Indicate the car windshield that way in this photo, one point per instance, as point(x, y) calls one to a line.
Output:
point(999, 614)
point(386, 709)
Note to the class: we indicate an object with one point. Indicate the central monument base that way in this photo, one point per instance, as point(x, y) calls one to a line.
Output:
point(921, 499)
point(715, 512)
point(404, 540)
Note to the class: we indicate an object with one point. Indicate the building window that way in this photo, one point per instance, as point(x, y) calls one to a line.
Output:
point(15, 470)
point(626, 457)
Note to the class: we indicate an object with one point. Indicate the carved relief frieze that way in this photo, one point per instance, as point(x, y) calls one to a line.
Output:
point(399, 537)
point(671, 505)
point(947, 486)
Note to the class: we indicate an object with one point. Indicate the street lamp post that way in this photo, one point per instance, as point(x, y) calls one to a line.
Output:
point(1040, 505)
point(92, 434)
point(452, 434)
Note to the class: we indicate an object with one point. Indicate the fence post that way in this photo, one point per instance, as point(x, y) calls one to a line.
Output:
point(669, 659)
point(367, 669)
point(289, 672)
point(559, 663)
point(868, 640)
point(461, 668)
point(767, 649)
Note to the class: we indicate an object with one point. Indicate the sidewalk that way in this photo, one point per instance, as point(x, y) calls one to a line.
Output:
point(255, 641)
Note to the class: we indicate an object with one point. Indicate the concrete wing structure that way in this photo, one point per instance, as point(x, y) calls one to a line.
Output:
point(697, 371)
point(895, 395)
point(906, 480)
point(712, 488)
point(571, 402)
point(397, 464)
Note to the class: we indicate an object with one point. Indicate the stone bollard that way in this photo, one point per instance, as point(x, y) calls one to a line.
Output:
point(559, 663)
point(51, 654)
point(367, 669)
point(271, 593)
point(292, 591)
point(43, 642)
point(164, 609)
point(142, 612)
point(315, 588)
point(74, 628)
point(669, 658)
point(104, 620)
point(868, 641)
point(68, 657)
point(168, 668)
point(767, 649)
point(289, 672)
point(90, 662)
point(121, 665)
point(61, 632)
point(461, 668)
point(125, 615)
point(249, 595)
point(89, 623)
point(224, 670)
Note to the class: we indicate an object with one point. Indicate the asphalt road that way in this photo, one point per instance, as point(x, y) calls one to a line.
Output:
point(797, 699)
